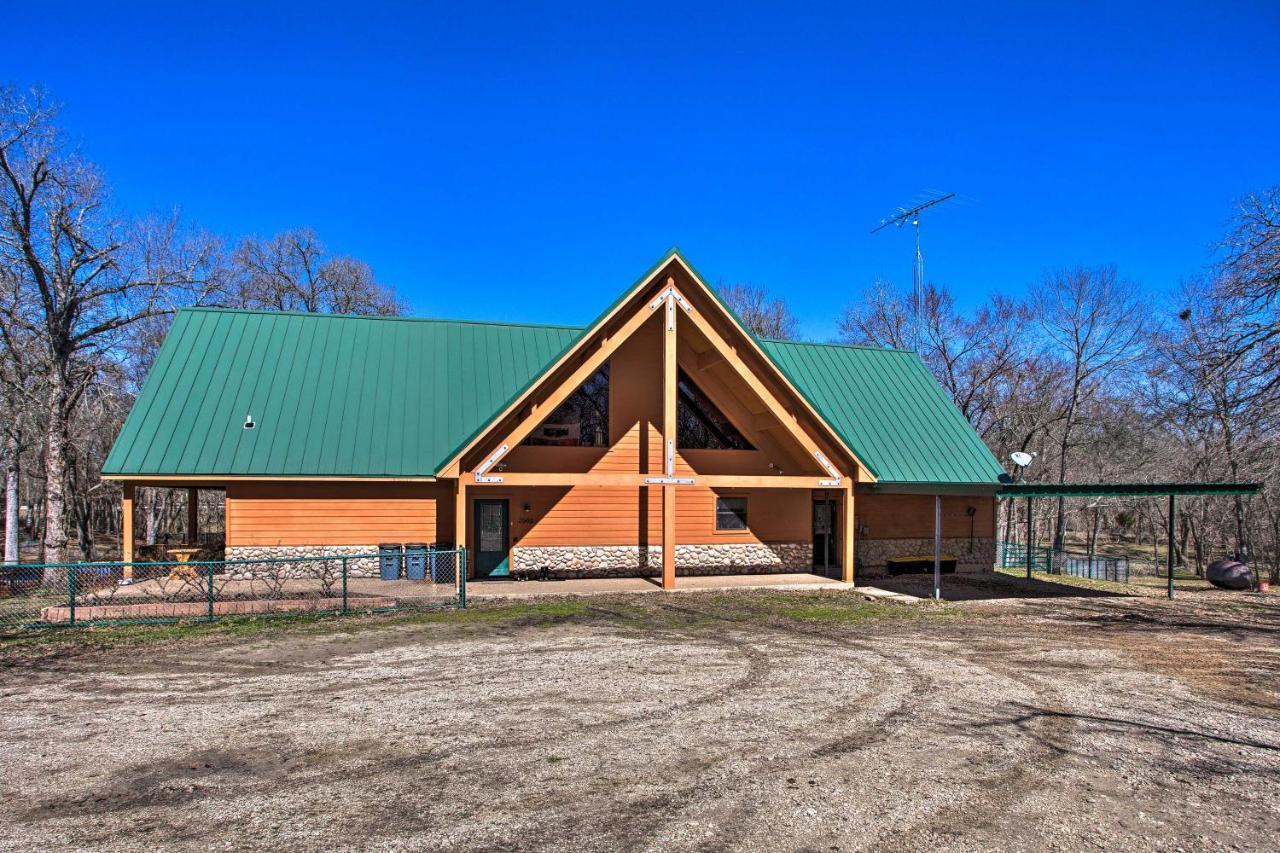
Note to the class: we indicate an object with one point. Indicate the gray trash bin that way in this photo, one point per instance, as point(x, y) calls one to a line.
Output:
point(389, 561)
point(415, 561)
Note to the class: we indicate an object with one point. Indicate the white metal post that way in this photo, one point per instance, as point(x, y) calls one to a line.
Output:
point(937, 547)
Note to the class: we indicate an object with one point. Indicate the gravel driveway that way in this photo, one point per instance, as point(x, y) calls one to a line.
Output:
point(758, 721)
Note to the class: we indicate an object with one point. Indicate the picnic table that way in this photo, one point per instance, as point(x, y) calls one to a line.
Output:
point(183, 555)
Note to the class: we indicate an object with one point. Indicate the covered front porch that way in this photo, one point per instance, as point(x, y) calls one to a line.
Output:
point(510, 588)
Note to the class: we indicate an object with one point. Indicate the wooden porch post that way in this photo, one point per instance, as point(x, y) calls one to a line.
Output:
point(669, 442)
point(126, 530)
point(850, 536)
point(193, 516)
point(460, 526)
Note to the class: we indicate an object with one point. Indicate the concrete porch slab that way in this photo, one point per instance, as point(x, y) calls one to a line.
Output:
point(613, 586)
point(887, 595)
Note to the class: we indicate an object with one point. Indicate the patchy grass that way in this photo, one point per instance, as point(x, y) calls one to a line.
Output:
point(120, 635)
point(27, 606)
point(635, 612)
point(555, 609)
point(854, 613)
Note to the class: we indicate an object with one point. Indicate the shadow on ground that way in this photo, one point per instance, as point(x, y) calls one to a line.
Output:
point(988, 587)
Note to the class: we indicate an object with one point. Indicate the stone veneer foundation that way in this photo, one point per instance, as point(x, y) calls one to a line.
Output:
point(363, 567)
point(972, 555)
point(621, 561)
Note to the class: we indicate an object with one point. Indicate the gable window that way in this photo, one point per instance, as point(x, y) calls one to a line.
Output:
point(731, 513)
point(582, 420)
point(700, 425)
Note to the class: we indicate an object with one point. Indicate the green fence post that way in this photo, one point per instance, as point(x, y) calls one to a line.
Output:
point(462, 577)
point(1030, 534)
point(344, 586)
point(210, 567)
point(71, 592)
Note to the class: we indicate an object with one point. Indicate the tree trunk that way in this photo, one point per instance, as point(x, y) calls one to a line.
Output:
point(1198, 545)
point(1242, 534)
point(1068, 423)
point(84, 526)
point(55, 472)
point(11, 499)
point(150, 511)
point(1093, 533)
point(55, 479)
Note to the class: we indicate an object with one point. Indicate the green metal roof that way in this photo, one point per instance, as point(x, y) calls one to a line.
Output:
point(339, 396)
point(331, 395)
point(890, 411)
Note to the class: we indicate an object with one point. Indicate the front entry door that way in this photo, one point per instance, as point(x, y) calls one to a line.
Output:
point(826, 545)
point(491, 539)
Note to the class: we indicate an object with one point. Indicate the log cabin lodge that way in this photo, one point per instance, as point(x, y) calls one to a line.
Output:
point(661, 440)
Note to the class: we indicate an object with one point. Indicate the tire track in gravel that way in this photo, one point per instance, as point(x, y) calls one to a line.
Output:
point(758, 667)
point(885, 677)
point(643, 829)
point(995, 795)
point(638, 831)
point(999, 793)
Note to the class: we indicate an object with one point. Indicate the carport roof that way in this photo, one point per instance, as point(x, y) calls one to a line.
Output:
point(1107, 490)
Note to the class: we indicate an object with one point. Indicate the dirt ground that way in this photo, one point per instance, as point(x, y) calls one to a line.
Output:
point(748, 720)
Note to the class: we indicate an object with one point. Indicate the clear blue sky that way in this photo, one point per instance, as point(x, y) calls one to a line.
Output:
point(525, 165)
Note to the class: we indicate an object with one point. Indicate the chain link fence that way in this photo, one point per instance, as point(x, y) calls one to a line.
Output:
point(40, 595)
point(1013, 555)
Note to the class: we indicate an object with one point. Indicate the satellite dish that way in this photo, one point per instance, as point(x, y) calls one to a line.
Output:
point(1022, 460)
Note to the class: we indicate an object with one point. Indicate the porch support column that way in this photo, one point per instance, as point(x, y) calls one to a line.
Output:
point(1173, 513)
point(850, 537)
point(937, 547)
point(126, 531)
point(669, 441)
point(193, 516)
point(460, 531)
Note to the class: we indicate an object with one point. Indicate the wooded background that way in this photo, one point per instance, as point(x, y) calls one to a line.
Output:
point(1094, 376)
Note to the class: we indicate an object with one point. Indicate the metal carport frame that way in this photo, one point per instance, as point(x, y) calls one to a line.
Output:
point(1031, 491)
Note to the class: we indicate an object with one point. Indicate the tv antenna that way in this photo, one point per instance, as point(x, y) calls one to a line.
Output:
point(902, 217)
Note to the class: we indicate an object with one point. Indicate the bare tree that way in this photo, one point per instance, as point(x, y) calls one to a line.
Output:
point(883, 318)
point(293, 271)
point(1090, 321)
point(1214, 388)
point(1251, 267)
point(764, 315)
point(974, 357)
point(85, 275)
point(18, 391)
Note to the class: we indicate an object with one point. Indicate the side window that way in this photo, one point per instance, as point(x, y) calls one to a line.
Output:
point(731, 513)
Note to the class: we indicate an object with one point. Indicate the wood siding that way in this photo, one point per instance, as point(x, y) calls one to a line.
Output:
point(298, 513)
point(626, 516)
point(267, 514)
point(911, 516)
